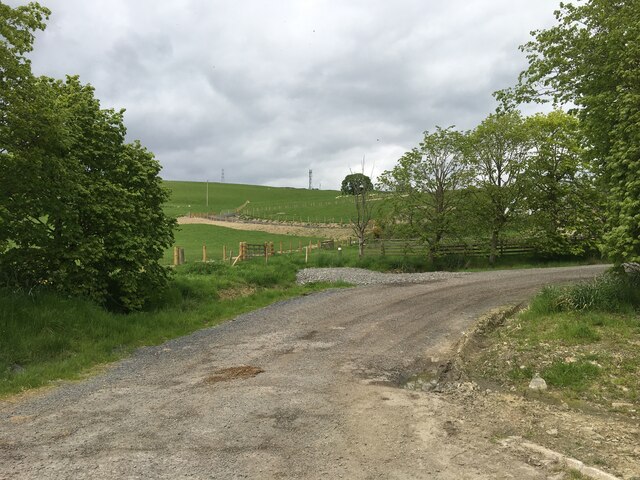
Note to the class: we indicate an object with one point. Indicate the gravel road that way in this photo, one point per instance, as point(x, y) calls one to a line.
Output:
point(305, 388)
point(361, 276)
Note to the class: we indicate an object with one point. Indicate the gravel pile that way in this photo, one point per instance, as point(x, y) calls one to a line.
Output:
point(361, 276)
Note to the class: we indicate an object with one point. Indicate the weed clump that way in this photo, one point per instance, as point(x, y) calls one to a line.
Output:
point(613, 291)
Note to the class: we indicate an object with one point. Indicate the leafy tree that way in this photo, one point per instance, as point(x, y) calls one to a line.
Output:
point(590, 59)
point(81, 210)
point(561, 194)
point(360, 187)
point(429, 185)
point(498, 151)
point(355, 183)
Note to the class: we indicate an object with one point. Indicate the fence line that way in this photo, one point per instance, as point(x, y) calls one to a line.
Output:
point(412, 247)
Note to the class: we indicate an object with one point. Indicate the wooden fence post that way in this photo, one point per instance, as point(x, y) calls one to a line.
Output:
point(306, 254)
point(224, 253)
point(176, 256)
point(181, 260)
point(204, 253)
point(280, 247)
point(242, 251)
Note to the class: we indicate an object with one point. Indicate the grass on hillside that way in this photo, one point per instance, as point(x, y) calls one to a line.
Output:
point(583, 340)
point(192, 197)
point(273, 203)
point(44, 337)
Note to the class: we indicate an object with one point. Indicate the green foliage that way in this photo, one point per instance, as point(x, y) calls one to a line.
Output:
point(355, 184)
point(498, 149)
point(563, 199)
point(81, 210)
point(590, 58)
point(428, 189)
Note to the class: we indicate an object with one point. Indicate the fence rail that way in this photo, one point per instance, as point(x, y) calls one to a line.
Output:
point(401, 247)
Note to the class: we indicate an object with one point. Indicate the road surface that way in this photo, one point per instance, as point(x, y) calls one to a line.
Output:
point(306, 388)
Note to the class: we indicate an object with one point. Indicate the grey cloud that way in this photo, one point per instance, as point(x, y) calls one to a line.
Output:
point(267, 90)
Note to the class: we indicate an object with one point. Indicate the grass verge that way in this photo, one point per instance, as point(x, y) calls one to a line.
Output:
point(584, 340)
point(44, 338)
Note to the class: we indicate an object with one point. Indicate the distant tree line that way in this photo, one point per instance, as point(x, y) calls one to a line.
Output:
point(510, 175)
point(80, 208)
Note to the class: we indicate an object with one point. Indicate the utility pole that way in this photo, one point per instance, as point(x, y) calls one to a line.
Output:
point(310, 179)
point(207, 192)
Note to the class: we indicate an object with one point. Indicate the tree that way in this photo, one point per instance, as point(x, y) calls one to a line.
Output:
point(362, 219)
point(590, 59)
point(81, 210)
point(355, 183)
point(428, 186)
point(562, 198)
point(359, 186)
point(498, 150)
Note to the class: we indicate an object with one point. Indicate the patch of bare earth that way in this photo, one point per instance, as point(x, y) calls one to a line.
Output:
point(233, 373)
point(334, 231)
point(600, 436)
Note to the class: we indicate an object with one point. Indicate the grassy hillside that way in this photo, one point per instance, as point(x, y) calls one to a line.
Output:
point(191, 197)
point(274, 203)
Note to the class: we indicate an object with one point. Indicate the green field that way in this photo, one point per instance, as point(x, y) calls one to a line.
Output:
point(192, 197)
point(192, 237)
point(274, 203)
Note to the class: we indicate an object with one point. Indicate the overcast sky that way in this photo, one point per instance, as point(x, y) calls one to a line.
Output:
point(267, 90)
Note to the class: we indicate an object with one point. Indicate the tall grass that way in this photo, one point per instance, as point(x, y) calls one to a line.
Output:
point(613, 291)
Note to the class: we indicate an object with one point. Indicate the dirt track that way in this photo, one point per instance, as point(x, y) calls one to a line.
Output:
point(330, 231)
point(320, 402)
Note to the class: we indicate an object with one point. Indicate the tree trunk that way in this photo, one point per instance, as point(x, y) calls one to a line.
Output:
point(494, 247)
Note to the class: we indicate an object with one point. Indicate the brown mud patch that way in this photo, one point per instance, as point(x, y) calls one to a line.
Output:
point(233, 373)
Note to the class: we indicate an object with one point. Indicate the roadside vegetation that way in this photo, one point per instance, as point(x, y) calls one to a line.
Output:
point(46, 337)
point(583, 340)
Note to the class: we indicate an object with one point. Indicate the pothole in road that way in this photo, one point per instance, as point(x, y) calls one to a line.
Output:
point(233, 373)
